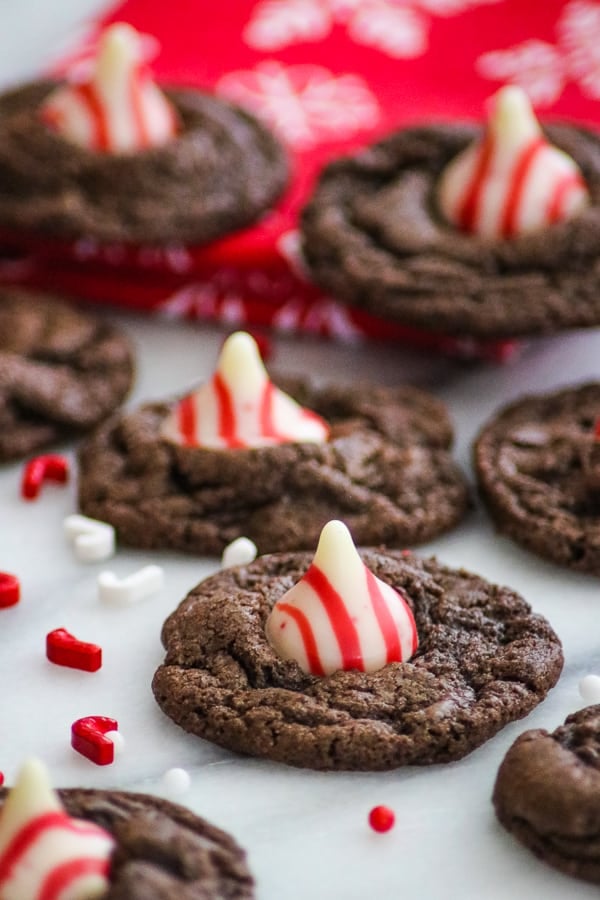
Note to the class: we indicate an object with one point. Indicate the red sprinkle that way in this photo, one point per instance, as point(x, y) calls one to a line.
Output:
point(1, 778)
point(381, 818)
point(10, 590)
point(88, 738)
point(51, 467)
point(64, 649)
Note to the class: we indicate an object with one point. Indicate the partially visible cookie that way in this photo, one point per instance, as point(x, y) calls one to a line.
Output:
point(62, 371)
point(374, 237)
point(162, 850)
point(385, 470)
point(547, 794)
point(538, 465)
point(221, 172)
point(483, 660)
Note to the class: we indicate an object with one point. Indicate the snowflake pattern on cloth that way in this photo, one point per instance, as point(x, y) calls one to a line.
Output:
point(305, 104)
point(543, 69)
point(398, 28)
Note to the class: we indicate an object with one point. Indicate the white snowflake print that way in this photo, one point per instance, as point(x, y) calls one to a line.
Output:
point(305, 104)
point(277, 23)
point(534, 65)
point(545, 69)
point(398, 28)
point(579, 37)
point(401, 33)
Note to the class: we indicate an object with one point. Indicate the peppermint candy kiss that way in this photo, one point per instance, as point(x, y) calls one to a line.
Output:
point(44, 853)
point(512, 181)
point(339, 615)
point(241, 407)
point(119, 109)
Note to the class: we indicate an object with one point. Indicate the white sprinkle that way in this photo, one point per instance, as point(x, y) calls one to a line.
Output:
point(238, 553)
point(118, 741)
point(176, 782)
point(134, 587)
point(589, 688)
point(93, 541)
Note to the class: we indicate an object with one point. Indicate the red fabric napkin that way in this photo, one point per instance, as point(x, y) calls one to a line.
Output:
point(328, 76)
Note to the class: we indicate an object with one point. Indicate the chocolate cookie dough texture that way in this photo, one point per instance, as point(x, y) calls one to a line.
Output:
point(461, 231)
point(61, 372)
point(113, 845)
point(538, 467)
point(277, 660)
point(547, 794)
point(178, 166)
point(200, 471)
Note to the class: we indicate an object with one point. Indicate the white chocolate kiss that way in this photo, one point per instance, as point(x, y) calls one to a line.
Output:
point(240, 406)
point(339, 615)
point(46, 846)
point(511, 181)
point(119, 109)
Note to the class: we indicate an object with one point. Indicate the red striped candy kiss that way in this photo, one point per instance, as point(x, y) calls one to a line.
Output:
point(44, 853)
point(339, 615)
point(241, 407)
point(513, 180)
point(119, 109)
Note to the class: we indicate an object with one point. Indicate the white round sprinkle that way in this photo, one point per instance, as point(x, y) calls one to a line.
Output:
point(176, 782)
point(239, 553)
point(589, 688)
point(118, 741)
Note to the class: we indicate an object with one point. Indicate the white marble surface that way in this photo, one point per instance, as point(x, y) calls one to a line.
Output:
point(306, 833)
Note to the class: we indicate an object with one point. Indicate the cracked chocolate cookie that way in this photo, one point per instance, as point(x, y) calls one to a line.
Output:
point(483, 660)
point(538, 466)
point(61, 372)
point(374, 237)
point(220, 173)
point(547, 794)
point(385, 470)
point(162, 850)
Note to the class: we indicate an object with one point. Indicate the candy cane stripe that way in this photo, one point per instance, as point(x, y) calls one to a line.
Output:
point(186, 413)
point(86, 93)
point(516, 187)
point(64, 875)
point(385, 620)
point(308, 638)
point(343, 626)
point(469, 207)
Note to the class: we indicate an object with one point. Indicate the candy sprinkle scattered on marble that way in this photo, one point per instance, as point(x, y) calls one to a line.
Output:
point(89, 736)
point(239, 553)
point(381, 819)
point(10, 590)
point(118, 741)
point(64, 649)
point(511, 181)
point(93, 541)
point(176, 782)
point(589, 689)
point(340, 616)
point(134, 587)
point(51, 467)
point(44, 852)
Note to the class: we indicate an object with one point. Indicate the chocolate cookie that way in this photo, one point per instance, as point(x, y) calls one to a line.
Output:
point(373, 236)
point(61, 372)
point(163, 850)
point(547, 794)
point(483, 660)
point(385, 471)
point(538, 465)
point(221, 172)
